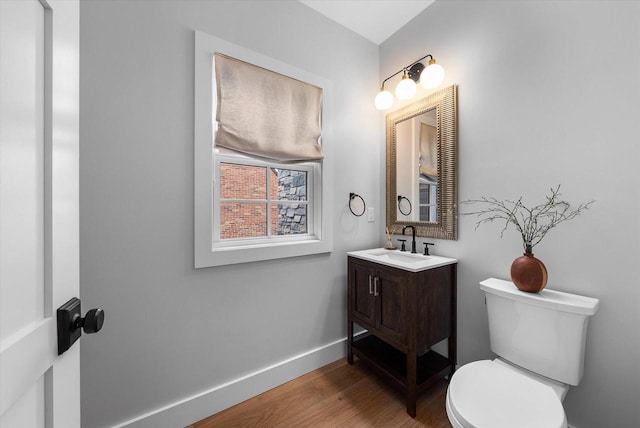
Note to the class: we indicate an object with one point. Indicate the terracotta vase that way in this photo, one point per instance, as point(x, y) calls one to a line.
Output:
point(528, 273)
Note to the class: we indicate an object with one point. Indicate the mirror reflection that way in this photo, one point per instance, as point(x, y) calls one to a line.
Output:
point(417, 180)
point(421, 166)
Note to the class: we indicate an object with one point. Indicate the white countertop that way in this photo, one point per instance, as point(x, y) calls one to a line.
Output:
point(402, 259)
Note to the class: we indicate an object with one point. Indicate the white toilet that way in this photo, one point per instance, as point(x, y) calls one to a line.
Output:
point(539, 339)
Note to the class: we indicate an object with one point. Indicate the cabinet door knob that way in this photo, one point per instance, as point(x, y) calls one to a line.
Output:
point(375, 286)
point(370, 290)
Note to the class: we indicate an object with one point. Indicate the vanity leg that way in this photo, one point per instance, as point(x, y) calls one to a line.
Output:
point(350, 342)
point(453, 338)
point(412, 363)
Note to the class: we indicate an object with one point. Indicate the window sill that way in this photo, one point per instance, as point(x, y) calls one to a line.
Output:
point(253, 253)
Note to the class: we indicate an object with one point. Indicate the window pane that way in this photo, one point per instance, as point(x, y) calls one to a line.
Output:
point(242, 220)
point(288, 219)
point(425, 190)
point(291, 184)
point(424, 213)
point(242, 181)
point(428, 202)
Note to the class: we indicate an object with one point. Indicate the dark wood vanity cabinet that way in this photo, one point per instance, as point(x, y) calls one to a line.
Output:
point(404, 313)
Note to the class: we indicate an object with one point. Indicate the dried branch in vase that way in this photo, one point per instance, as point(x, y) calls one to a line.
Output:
point(532, 223)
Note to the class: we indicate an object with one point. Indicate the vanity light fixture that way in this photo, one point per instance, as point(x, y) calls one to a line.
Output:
point(430, 76)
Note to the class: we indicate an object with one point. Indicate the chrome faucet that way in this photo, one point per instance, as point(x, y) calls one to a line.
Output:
point(413, 238)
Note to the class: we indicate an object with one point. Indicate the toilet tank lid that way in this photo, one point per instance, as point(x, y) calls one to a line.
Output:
point(551, 299)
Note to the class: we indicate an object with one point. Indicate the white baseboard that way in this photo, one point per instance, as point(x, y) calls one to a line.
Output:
point(199, 406)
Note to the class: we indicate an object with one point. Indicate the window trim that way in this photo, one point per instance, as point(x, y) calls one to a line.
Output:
point(206, 254)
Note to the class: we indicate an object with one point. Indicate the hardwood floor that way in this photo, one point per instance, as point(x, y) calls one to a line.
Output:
point(337, 395)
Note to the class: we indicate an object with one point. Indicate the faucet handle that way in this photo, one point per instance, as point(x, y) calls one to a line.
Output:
point(402, 247)
point(426, 248)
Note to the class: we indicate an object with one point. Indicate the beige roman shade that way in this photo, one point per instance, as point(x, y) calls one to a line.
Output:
point(266, 114)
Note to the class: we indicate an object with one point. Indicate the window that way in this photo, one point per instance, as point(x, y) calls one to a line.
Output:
point(259, 202)
point(428, 201)
point(248, 208)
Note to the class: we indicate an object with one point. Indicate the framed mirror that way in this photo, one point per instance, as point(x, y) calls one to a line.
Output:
point(422, 153)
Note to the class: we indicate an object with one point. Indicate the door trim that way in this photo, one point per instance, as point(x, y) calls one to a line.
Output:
point(33, 341)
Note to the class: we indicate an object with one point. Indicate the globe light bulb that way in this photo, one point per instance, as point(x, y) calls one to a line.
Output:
point(384, 99)
point(406, 87)
point(432, 76)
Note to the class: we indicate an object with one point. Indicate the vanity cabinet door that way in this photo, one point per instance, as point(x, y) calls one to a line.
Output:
point(362, 299)
point(390, 293)
point(378, 300)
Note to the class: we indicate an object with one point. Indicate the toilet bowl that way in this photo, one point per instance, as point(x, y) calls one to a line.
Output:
point(494, 394)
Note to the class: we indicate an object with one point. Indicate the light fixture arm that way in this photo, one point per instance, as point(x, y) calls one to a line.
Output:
point(408, 69)
point(394, 74)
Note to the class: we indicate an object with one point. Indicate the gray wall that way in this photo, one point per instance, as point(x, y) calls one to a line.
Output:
point(549, 93)
point(172, 331)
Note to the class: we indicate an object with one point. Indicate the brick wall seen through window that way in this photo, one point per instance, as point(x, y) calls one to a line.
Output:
point(244, 201)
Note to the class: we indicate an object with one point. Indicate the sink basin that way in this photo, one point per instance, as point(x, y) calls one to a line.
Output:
point(402, 260)
point(400, 257)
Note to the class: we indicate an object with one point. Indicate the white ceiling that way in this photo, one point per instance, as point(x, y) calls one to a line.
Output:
point(375, 20)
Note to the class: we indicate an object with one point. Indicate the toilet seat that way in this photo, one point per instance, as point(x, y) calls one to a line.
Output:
point(488, 394)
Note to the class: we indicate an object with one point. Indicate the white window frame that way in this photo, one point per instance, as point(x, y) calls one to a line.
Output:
point(208, 252)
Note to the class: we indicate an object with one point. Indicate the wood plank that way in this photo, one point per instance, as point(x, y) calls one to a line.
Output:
point(335, 395)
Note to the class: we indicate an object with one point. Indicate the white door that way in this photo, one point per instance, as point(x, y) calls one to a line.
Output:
point(39, 269)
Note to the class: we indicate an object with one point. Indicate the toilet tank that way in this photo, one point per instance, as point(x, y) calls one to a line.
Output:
point(543, 332)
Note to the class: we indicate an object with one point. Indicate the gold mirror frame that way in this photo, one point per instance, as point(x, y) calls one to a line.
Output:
point(445, 103)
